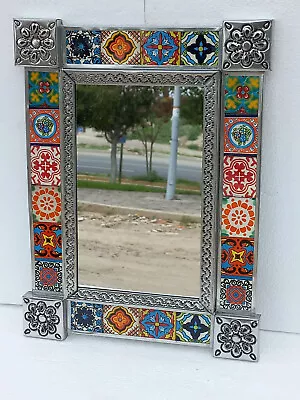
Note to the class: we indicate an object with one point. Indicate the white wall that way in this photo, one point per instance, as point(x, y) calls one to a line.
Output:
point(279, 271)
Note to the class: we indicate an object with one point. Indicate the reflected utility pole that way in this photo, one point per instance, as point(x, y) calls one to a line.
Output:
point(171, 185)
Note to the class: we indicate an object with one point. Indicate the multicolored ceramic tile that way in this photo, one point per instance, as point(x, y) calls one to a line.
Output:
point(46, 203)
point(157, 324)
point(238, 217)
point(160, 48)
point(239, 176)
point(193, 328)
point(199, 48)
point(240, 135)
point(44, 318)
point(47, 241)
point(237, 255)
point(236, 337)
point(83, 47)
point(121, 47)
point(45, 165)
point(43, 90)
point(121, 320)
point(44, 126)
point(48, 276)
point(86, 317)
point(236, 294)
point(241, 96)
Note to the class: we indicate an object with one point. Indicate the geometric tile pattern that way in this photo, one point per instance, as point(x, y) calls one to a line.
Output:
point(43, 90)
point(239, 184)
point(236, 337)
point(86, 317)
point(236, 294)
point(237, 255)
point(43, 118)
point(240, 135)
point(44, 126)
point(47, 241)
point(83, 46)
point(120, 320)
point(199, 48)
point(45, 165)
point(46, 203)
point(241, 96)
point(138, 47)
point(239, 176)
point(160, 48)
point(48, 276)
point(44, 318)
point(158, 324)
point(193, 328)
point(121, 47)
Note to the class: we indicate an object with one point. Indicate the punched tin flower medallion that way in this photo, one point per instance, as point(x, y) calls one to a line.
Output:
point(35, 42)
point(247, 45)
point(236, 338)
point(44, 318)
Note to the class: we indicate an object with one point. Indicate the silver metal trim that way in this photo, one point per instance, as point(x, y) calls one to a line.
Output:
point(207, 80)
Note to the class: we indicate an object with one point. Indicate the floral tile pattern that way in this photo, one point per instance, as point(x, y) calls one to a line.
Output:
point(238, 217)
point(43, 90)
point(241, 96)
point(160, 48)
point(47, 241)
point(44, 318)
point(46, 203)
point(44, 126)
point(236, 338)
point(157, 324)
point(236, 294)
point(45, 165)
point(83, 46)
point(199, 48)
point(86, 317)
point(121, 47)
point(121, 320)
point(193, 328)
point(239, 176)
point(237, 255)
point(240, 135)
point(48, 276)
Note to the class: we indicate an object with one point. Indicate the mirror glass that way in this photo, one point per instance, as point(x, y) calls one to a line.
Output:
point(139, 157)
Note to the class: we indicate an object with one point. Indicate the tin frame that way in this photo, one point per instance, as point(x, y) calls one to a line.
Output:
point(211, 79)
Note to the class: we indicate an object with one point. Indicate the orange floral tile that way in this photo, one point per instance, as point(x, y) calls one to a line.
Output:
point(238, 217)
point(121, 47)
point(121, 320)
point(46, 203)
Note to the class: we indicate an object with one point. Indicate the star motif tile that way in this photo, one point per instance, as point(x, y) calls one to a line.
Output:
point(160, 48)
point(157, 324)
point(199, 48)
point(193, 328)
point(47, 238)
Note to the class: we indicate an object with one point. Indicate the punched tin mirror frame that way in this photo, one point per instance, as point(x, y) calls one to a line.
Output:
point(228, 63)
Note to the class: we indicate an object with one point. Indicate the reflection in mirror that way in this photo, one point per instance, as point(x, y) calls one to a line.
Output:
point(129, 236)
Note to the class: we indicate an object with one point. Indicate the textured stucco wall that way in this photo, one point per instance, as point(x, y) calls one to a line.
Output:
point(279, 271)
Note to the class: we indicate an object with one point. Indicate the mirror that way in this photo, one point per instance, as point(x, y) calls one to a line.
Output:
point(135, 144)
